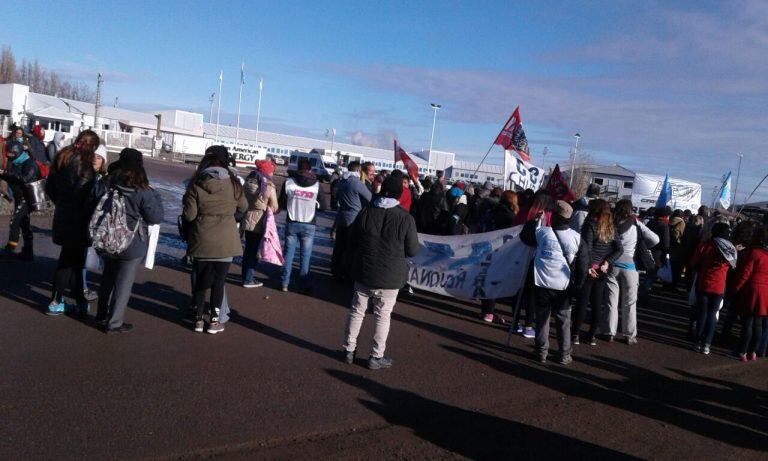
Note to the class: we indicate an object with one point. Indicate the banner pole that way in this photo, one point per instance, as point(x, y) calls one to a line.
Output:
point(506, 171)
point(483, 160)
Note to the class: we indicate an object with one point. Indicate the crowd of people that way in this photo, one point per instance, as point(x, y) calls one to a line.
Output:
point(593, 261)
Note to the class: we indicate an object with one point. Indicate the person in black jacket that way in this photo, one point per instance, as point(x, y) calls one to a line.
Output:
point(381, 237)
point(142, 203)
point(660, 226)
point(70, 186)
point(21, 170)
point(601, 248)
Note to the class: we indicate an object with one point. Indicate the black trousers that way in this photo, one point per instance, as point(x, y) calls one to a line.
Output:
point(592, 294)
point(69, 274)
point(339, 249)
point(20, 225)
point(751, 332)
point(210, 275)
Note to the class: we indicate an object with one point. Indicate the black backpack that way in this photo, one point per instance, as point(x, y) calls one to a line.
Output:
point(643, 255)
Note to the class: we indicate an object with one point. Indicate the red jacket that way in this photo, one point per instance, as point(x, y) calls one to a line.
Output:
point(711, 267)
point(751, 283)
point(406, 199)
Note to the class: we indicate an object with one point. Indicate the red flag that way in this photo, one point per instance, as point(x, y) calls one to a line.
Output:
point(512, 136)
point(410, 165)
point(557, 187)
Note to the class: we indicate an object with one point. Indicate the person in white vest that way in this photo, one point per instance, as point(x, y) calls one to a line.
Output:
point(300, 198)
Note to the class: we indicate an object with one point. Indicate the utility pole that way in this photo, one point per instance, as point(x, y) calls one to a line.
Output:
point(736, 187)
point(210, 113)
point(432, 137)
point(97, 106)
point(573, 159)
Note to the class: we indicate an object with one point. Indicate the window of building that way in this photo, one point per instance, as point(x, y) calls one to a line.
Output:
point(628, 185)
point(105, 126)
point(64, 128)
point(598, 181)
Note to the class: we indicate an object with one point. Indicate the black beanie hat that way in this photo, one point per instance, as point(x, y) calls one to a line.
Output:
point(130, 158)
point(392, 187)
point(220, 153)
point(721, 230)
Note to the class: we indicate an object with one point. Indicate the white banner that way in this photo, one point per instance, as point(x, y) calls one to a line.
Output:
point(521, 173)
point(475, 266)
point(686, 195)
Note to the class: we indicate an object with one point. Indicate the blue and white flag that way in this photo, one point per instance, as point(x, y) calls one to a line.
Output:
point(724, 197)
point(665, 196)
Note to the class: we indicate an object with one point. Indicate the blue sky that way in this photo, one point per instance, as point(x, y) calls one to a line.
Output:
point(654, 86)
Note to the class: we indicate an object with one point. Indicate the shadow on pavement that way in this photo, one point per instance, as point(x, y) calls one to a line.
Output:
point(732, 416)
point(469, 433)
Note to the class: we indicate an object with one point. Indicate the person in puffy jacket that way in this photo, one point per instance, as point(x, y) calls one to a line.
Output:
point(382, 236)
point(143, 207)
point(261, 195)
point(712, 261)
point(212, 198)
point(21, 170)
point(602, 250)
point(54, 146)
point(751, 295)
point(70, 185)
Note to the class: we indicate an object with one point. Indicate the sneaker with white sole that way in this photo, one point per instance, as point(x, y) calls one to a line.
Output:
point(378, 363)
point(488, 318)
point(705, 349)
point(56, 309)
point(529, 332)
point(214, 328)
point(253, 285)
point(199, 326)
point(565, 359)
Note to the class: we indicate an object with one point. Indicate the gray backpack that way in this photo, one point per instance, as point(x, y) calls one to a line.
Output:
point(109, 229)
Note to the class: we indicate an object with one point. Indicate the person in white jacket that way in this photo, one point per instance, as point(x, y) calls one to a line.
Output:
point(623, 279)
point(556, 250)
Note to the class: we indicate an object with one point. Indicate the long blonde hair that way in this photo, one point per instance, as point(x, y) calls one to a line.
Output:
point(600, 212)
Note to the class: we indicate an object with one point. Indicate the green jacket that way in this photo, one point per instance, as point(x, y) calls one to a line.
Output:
point(210, 205)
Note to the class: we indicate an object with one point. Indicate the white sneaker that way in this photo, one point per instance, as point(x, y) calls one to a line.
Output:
point(253, 285)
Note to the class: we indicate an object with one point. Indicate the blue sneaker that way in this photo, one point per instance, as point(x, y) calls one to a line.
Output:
point(529, 332)
point(56, 308)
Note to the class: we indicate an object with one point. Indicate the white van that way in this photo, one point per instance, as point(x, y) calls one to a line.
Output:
point(322, 165)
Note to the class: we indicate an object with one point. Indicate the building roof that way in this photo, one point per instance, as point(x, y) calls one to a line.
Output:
point(38, 102)
point(614, 170)
point(484, 168)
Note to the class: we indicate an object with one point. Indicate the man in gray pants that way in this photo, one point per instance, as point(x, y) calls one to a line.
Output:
point(381, 237)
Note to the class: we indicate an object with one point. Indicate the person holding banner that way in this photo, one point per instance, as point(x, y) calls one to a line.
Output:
point(602, 249)
point(382, 236)
point(556, 250)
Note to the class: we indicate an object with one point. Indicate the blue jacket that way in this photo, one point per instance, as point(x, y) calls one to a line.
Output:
point(352, 196)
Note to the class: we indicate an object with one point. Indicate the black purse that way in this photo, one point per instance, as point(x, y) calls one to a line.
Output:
point(643, 255)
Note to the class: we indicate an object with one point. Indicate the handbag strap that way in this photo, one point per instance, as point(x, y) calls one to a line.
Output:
point(562, 248)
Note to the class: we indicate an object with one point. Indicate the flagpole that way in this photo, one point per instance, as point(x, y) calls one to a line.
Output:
point(483, 160)
point(258, 111)
point(736, 187)
point(218, 111)
point(239, 103)
point(506, 171)
point(753, 193)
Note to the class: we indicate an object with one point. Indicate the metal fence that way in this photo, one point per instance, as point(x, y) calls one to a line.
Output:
point(118, 140)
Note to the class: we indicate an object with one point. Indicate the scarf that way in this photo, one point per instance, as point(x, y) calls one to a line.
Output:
point(726, 250)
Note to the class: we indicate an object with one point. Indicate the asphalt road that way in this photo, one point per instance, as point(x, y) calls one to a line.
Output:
point(272, 385)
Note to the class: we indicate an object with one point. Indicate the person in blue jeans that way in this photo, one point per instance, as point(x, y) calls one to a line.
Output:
point(299, 197)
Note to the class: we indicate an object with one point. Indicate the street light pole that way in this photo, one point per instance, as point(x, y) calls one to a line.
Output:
point(736, 187)
point(573, 158)
point(432, 137)
point(210, 113)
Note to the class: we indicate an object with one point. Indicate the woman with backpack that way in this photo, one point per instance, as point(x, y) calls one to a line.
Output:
point(623, 278)
point(261, 195)
point(602, 250)
point(142, 207)
point(213, 197)
point(69, 186)
point(712, 261)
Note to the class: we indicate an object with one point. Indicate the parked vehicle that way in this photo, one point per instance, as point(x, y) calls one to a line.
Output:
point(322, 165)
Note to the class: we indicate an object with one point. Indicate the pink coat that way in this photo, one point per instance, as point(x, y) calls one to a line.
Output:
point(270, 250)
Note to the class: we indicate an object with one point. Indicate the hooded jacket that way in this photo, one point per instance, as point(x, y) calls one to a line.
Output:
point(71, 190)
point(257, 205)
point(19, 173)
point(352, 197)
point(210, 205)
point(381, 239)
point(54, 146)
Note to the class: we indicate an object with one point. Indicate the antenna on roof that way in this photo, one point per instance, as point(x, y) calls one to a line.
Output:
point(97, 106)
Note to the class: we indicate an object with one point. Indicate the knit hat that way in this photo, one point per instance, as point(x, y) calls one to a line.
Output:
point(129, 158)
point(392, 187)
point(37, 130)
point(721, 230)
point(220, 152)
point(456, 191)
point(101, 151)
point(461, 185)
point(563, 209)
point(265, 166)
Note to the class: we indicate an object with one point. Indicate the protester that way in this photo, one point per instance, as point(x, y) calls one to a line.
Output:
point(213, 197)
point(143, 207)
point(623, 278)
point(406, 200)
point(711, 261)
point(37, 148)
point(454, 220)
point(367, 175)
point(751, 295)
point(99, 189)
point(581, 207)
point(382, 236)
point(556, 250)
point(54, 146)
point(20, 171)
point(660, 226)
point(70, 186)
point(430, 208)
point(300, 197)
point(353, 196)
point(506, 211)
point(260, 193)
point(602, 250)
point(676, 248)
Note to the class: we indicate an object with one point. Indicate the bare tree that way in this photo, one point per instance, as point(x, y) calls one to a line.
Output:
point(40, 79)
point(581, 177)
point(7, 65)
